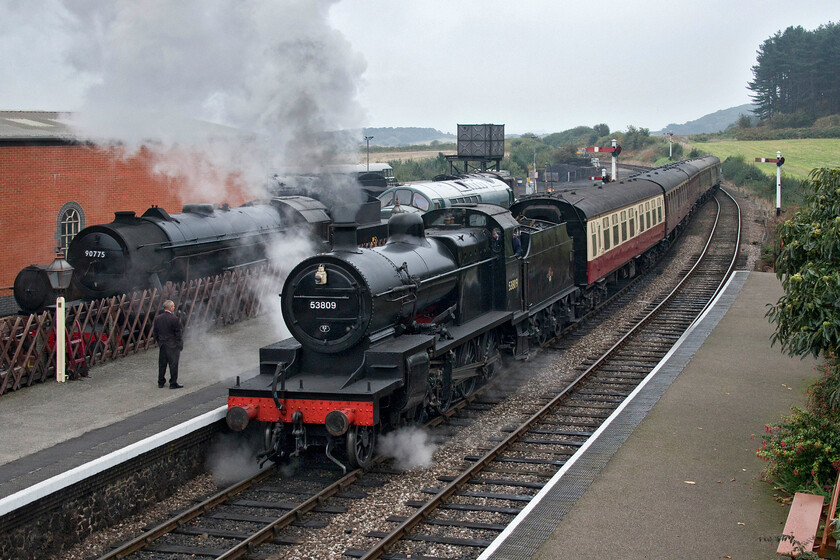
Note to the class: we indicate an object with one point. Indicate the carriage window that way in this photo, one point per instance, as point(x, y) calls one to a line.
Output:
point(605, 225)
point(640, 213)
point(624, 225)
point(660, 212)
point(594, 239)
point(615, 228)
point(632, 225)
point(71, 219)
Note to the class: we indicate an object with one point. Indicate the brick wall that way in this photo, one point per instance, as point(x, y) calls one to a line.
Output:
point(37, 180)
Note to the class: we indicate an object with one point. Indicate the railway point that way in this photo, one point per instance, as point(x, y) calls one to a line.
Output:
point(685, 484)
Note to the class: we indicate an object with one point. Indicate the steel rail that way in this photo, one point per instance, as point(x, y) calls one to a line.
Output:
point(170, 525)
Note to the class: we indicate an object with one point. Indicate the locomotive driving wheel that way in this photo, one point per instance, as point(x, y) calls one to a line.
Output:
point(466, 355)
point(557, 315)
point(541, 324)
point(489, 350)
point(361, 443)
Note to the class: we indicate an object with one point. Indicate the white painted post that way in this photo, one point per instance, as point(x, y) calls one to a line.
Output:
point(60, 352)
point(614, 173)
point(778, 185)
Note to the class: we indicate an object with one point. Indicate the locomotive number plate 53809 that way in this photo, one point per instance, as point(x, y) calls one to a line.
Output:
point(322, 305)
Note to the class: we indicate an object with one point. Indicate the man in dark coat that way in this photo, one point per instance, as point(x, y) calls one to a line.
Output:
point(169, 335)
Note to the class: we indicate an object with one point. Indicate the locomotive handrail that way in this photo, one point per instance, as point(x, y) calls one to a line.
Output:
point(405, 287)
point(208, 239)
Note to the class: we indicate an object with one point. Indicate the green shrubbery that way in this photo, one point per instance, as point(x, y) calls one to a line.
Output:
point(803, 450)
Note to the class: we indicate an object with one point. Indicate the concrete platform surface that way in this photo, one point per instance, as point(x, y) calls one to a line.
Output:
point(687, 482)
point(50, 428)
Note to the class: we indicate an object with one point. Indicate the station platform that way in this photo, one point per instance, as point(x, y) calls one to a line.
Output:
point(675, 474)
point(51, 428)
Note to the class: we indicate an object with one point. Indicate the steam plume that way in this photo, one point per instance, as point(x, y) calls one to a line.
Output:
point(267, 77)
point(410, 448)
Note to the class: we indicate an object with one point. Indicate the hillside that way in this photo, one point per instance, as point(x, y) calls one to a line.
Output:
point(714, 122)
point(406, 136)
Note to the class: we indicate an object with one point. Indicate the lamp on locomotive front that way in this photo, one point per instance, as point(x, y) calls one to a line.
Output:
point(320, 276)
point(60, 274)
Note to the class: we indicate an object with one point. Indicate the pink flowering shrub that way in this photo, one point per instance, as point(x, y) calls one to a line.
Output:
point(803, 453)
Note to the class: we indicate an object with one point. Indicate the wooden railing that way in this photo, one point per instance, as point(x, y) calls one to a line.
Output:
point(111, 328)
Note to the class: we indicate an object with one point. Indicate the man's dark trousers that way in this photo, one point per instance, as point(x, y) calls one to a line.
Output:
point(168, 355)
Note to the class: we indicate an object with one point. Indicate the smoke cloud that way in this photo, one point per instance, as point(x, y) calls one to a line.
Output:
point(219, 93)
point(284, 255)
point(232, 458)
point(409, 447)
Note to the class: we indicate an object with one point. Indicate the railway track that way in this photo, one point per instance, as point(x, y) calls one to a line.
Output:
point(263, 515)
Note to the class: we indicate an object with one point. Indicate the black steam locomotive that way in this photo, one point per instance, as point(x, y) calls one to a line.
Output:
point(384, 337)
point(141, 252)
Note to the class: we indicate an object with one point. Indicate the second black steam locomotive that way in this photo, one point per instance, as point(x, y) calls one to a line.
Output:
point(384, 337)
point(139, 252)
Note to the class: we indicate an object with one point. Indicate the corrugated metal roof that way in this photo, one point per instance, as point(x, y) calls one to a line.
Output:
point(50, 125)
point(33, 125)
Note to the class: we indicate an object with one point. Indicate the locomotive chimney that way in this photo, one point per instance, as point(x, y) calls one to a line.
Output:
point(344, 229)
point(124, 217)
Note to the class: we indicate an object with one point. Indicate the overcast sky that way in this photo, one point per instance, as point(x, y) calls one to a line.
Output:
point(549, 65)
point(538, 65)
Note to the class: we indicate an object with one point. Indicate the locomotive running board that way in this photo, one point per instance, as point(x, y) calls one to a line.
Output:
point(471, 329)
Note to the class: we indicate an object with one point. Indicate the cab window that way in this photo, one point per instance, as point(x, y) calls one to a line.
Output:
point(404, 197)
point(421, 202)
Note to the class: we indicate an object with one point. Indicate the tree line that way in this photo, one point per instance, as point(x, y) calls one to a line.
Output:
point(798, 73)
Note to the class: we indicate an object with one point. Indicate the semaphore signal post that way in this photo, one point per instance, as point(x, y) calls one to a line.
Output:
point(615, 149)
point(779, 161)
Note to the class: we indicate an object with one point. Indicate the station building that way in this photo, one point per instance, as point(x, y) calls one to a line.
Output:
point(53, 185)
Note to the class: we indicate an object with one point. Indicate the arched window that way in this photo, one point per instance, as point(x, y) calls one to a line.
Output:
point(71, 219)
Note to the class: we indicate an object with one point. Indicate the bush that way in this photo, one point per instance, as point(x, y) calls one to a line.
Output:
point(799, 119)
point(831, 121)
point(824, 395)
point(803, 453)
point(677, 149)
